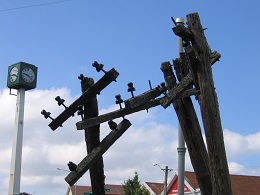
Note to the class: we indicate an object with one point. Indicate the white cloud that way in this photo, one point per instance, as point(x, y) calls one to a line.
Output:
point(58, 154)
point(33, 180)
point(238, 169)
point(237, 145)
point(144, 143)
point(253, 142)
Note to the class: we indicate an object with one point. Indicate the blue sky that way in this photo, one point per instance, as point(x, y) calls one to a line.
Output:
point(134, 37)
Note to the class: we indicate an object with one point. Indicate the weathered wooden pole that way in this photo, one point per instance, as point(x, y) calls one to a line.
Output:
point(92, 138)
point(191, 131)
point(209, 108)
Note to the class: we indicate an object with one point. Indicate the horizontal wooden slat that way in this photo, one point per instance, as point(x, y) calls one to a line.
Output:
point(125, 111)
point(143, 98)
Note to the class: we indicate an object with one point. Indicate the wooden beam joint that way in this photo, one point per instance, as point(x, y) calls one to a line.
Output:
point(87, 95)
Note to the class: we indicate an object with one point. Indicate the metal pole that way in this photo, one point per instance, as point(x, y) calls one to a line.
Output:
point(181, 148)
point(181, 162)
point(16, 161)
point(165, 180)
point(166, 170)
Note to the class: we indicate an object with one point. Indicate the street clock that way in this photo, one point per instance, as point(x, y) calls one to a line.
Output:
point(22, 75)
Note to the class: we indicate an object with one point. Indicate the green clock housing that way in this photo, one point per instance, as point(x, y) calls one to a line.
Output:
point(22, 75)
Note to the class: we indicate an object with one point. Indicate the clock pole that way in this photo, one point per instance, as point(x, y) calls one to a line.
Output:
point(21, 76)
point(16, 162)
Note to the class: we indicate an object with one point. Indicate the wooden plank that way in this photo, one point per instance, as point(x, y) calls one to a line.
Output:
point(214, 57)
point(91, 158)
point(144, 97)
point(210, 110)
point(115, 114)
point(124, 111)
point(92, 91)
point(177, 90)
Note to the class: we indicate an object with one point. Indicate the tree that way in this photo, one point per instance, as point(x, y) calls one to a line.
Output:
point(133, 187)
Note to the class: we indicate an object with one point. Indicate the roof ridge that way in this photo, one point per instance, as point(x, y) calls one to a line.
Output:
point(245, 175)
point(231, 174)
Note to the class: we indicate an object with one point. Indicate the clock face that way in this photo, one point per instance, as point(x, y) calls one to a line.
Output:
point(28, 75)
point(13, 74)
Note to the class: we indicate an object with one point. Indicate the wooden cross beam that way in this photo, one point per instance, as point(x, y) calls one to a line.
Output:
point(145, 97)
point(91, 158)
point(92, 91)
point(125, 111)
point(177, 90)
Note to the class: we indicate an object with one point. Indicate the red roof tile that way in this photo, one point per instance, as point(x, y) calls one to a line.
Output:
point(157, 188)
point(241, 184)
point(191, 179)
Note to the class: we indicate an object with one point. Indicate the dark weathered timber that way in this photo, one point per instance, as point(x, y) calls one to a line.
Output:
point(184, 84)
point(191, 131)
point(177, 90)
point(92, 139)
point(143, 98)
point(115, 114)
point(183, 32)
point(214, 57)
point(91, 158)
point(210, 111)
point(194, 62)
point(178, 68)
point(184, 63)
point(124, 111)
point(95, 89)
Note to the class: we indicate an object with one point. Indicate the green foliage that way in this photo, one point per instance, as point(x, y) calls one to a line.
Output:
point(133, 187)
